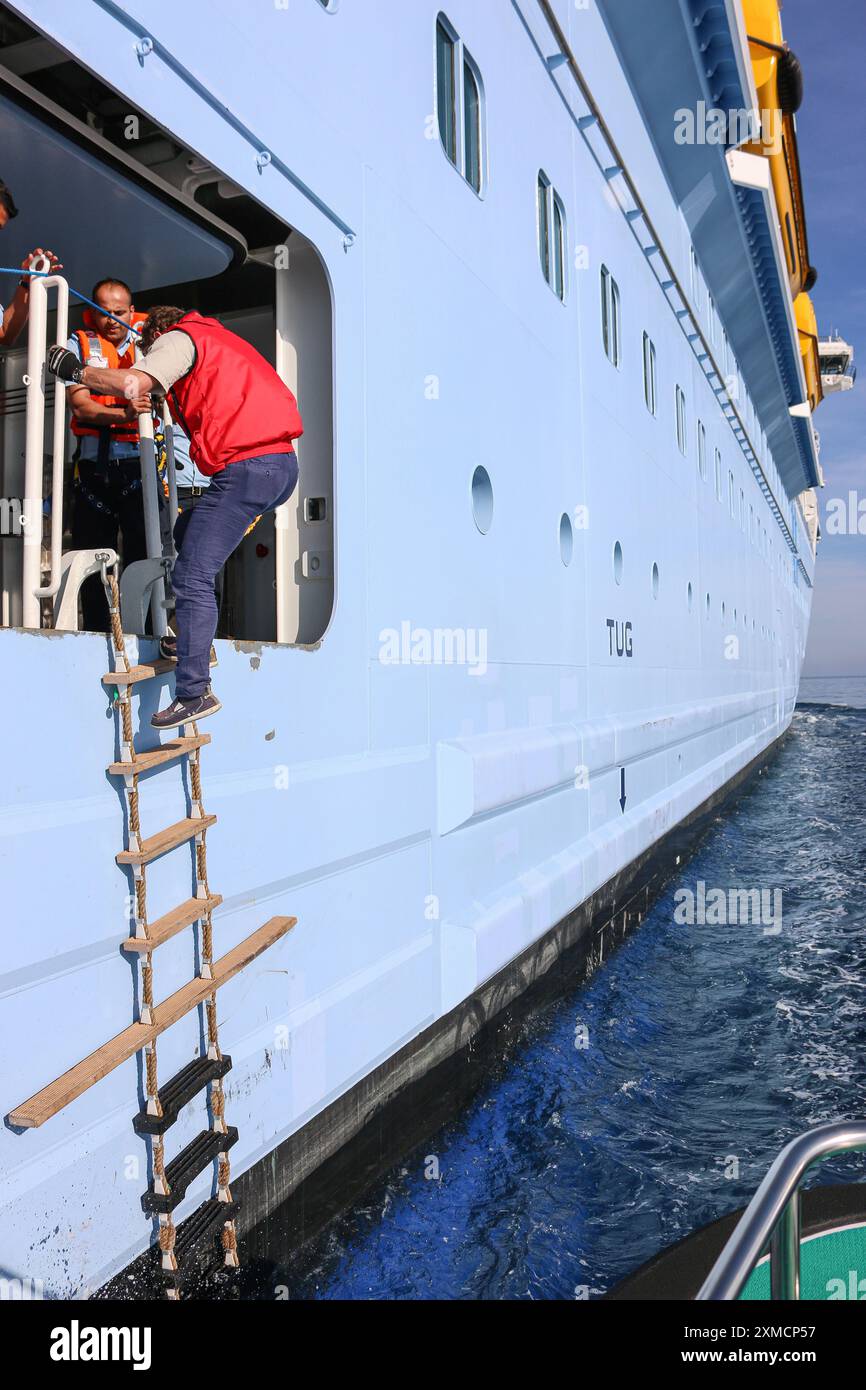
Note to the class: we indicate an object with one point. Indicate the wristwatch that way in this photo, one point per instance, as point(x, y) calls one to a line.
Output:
point(24, 283)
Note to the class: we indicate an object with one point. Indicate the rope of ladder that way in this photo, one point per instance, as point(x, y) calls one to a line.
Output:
point(123, 700)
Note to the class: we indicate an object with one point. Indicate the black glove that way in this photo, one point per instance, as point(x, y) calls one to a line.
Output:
point(64, 364)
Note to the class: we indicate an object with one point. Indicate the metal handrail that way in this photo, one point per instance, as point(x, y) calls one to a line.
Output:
point(32, 592)
point(150, 502)
point(171, 476)
point(772, 1218)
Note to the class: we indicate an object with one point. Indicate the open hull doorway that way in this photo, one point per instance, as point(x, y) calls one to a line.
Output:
point(175, 239)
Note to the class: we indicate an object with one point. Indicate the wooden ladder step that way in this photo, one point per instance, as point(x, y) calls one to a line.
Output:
point(60, 1093)
point(156, 757)
point(147, 671)
point(164, 928)
point(164, 840)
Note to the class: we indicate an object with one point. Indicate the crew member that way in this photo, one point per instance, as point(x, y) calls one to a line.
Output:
point(14, 316)
point(107, 495)
point(241, 421)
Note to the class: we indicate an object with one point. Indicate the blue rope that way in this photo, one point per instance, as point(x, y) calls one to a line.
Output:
point(16, 270)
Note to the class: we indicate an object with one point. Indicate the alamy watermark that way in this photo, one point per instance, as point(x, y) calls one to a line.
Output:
point(719, 907)
point(11, 516)
point(21, 1290)
point(437, 646)
point(846, 516)
point(710, 125)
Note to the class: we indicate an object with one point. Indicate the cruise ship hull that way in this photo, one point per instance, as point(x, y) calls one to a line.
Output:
point(533, 688)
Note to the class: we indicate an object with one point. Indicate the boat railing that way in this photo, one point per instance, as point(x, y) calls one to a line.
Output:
point(31, 521)
point(772, 1218)
point(143, 585)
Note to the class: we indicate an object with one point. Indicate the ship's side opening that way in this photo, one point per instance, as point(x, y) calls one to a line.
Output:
point(115, 195)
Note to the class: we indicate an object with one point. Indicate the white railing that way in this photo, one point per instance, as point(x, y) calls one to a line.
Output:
point(150, 499)
point(146, 585)
point(31, 521)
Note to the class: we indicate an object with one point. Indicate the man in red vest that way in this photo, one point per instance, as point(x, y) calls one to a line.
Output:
point(241, 421)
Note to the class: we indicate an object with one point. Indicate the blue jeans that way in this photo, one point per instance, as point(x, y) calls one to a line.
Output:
point(215, 529)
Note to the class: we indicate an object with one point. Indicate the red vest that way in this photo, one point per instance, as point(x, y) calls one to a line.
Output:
point(232, 405)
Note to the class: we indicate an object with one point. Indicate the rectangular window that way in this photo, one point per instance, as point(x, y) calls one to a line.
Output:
point(551, 235)
point(649, 374)
point(610, 316)
point(445, 91)
point(472, 127)
point(459, 100)
point(558, 247)
point(681, 420)
point(544, 226)
point(702, 451)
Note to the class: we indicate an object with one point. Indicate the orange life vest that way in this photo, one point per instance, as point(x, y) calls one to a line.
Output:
point(99, 352)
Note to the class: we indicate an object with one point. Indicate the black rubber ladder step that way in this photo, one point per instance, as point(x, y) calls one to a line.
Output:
point(165, 840)
point(164, 928)
point(177, 1093)
point(193, 1247)
point(158, 757)
point(191, 1161)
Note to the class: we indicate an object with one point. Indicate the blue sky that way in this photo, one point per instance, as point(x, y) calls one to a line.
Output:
point(829, 38)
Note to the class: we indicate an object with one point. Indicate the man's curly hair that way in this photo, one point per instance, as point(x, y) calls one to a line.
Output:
point(158, 321)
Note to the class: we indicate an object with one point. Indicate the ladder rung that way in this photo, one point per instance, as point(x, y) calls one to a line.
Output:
point(198, 1231)
point(165, 840)
point(179, 1091)
point(156, 757)
point(84, 1074)
point(186, 1166)
point(145, 672)
point(164, 928)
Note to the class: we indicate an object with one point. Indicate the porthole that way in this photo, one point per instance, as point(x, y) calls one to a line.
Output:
point(566, 539)
point(482, 500)
point(617, 563)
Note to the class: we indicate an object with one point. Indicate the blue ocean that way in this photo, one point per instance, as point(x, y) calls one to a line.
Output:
point(652, 1098)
